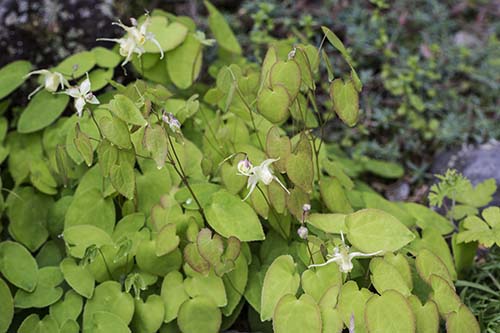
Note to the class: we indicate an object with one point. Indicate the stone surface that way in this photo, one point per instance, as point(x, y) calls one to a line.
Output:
point(47, 31)
point(475, 162)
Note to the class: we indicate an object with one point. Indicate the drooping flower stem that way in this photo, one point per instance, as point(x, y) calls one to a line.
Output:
point(105, 264)
point(177, 165)
point(96, 124)
point(273, 211)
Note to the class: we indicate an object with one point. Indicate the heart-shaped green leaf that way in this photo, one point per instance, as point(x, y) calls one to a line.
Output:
point(28, 214)
point(42, 111)
point(155, 141)
point(273, 104)
point(78, 277)
point(32, 324)
point(389, 312)
point(68, 308)
point(385, 277)
point(108, 322)
point(173, 294)
point(106, 58)
point(428, 264)
point(167, 240)
point(352, 303)
point(116, 131)
point(184, 62)
point(83, 145)
point(122, 178)
point(462, 321)
point(426, 316)
point(12, 76)
point(77, 64)
point(168, 36)
point(330, 223)
point(149, 315)
point(90, 207)
point(108, 297)
point(334, 195)
point(371, 230)
point(18, 266)
point(287, 74)
point(316, 282)
point(148, 261)
point(230, 216)
point(46, 292)
point(444, 295)
point(199, 314)
point(297, 315)
point(125, 109)
point(210, 286)
point(281, 279)
point(345, 101)
point(80, 237)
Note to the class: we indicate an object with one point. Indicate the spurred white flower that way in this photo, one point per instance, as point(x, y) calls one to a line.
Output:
point(261, 173)
point(172, 122)
point(82, 95)
point(134, 40)
point(51, 81)
point(343, 257)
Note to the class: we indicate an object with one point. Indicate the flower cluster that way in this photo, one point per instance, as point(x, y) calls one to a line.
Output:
point(260, 173)
point(53, 80)
point(134, 40)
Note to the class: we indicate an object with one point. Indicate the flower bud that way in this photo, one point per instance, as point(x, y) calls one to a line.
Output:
point(306, 208)
point(303, 232)
point(244, 167)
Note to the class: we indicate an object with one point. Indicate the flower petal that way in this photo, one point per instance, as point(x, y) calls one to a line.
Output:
point(73, 92)
point(252, 188)
point(92, 99)
point(79, 105)
point(85, 86)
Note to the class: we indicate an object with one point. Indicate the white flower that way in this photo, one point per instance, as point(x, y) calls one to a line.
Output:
point(51, 81)
point(82, 95)
point(134, 40)
point(259, 173)
point(343, 258)
point(172, 122)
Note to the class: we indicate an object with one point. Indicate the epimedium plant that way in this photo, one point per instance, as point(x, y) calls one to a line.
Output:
point(168, 205)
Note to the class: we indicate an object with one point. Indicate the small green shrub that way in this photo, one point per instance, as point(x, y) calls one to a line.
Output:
point(127, 208)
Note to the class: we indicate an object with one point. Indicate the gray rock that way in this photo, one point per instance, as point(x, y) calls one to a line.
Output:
point(477, 163)
point(45, 32)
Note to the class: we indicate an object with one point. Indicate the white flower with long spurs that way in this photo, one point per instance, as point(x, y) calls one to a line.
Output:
point(134, 40)
point(82, 95)
point(343, 257)
point(259, 173)
point(51, 81)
